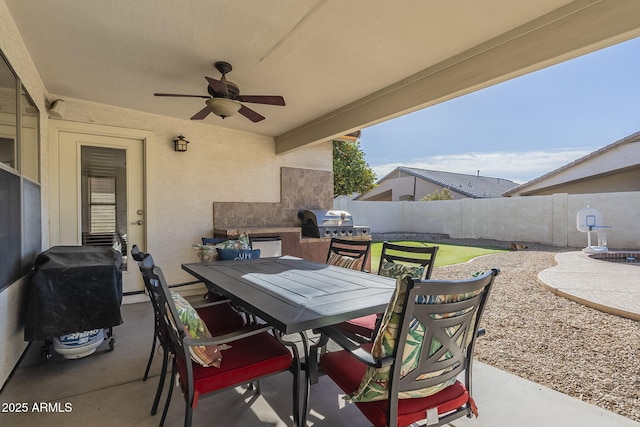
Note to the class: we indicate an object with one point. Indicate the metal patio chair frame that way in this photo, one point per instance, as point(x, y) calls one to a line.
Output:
point(357, 249)
point(365, 328)
point(424, 256)
point(179, 343)
point(212, 311)
point(454, 356)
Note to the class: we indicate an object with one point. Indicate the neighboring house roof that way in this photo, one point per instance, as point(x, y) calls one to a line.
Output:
point(474, 186)
point(620, 155)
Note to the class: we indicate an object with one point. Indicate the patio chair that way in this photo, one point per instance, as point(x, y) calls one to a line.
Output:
point(395, 260)
point(411, 256)
point(351, 254)
point(254, 353)
point(219, 316)
point(409, 374)
point(210, 298)
point(212, 240)
point(138, 256)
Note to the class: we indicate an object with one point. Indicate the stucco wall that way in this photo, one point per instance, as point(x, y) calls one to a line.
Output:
point(221, 165)
point(542, 219)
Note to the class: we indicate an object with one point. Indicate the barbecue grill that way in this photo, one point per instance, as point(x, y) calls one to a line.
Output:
point(330, 223)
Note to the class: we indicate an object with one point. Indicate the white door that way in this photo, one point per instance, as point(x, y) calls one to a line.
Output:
point(101, 192)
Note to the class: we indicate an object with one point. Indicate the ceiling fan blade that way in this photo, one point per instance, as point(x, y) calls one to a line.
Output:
point(250, 114)
point(201, 114)
point(262, 99)
point(218, 86)
point(181, 95)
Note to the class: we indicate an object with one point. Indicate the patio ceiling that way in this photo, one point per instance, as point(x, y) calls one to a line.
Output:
point(340, 65)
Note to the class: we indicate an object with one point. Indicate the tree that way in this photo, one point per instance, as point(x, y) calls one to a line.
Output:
point(443, 194)
point(351, 173)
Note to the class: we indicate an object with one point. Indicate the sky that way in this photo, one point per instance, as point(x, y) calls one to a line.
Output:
point(520, 129)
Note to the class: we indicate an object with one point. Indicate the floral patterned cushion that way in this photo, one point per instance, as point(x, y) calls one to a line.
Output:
point(209, 355)
point(374, 385)
point(242, 242)
point(395, 270)
point(209, 253)
point(206, 253)
point(344, 261)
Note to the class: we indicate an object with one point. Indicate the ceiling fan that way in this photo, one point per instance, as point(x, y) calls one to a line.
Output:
point(224, 98)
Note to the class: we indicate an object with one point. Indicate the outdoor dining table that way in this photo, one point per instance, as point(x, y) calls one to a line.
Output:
point(295, 295)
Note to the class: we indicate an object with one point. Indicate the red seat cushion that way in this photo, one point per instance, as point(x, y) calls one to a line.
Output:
point(220, 319)
point(347, 372)
point(363, 326)
point(246, 360)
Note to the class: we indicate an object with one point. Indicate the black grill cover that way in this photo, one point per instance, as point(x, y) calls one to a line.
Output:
point(74, 289)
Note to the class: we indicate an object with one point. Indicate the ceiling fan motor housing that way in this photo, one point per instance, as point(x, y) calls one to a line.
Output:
point(224, 98)
point(223, 66)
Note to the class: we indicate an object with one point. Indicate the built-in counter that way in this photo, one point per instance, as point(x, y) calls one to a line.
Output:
point(293, 242)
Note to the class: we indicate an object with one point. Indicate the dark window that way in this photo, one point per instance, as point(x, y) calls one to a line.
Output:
point(32, 224)
point(20, 193)
point(9, 228)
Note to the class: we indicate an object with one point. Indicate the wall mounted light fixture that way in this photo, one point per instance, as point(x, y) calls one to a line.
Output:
point(180, 144)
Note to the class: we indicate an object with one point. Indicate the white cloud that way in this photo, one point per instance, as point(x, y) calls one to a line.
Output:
point(518, 167)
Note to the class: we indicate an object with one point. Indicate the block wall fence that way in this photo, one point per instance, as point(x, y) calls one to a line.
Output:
point(547, 220)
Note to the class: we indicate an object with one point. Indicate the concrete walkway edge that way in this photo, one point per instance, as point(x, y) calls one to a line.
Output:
point(606, 286)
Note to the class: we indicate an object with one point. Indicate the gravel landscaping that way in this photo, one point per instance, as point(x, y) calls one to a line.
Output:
point(563, 345)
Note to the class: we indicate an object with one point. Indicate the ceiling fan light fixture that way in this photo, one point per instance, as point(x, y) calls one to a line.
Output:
point(223, 107)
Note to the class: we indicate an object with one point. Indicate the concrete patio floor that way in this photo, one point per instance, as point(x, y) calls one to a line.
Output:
point(106, 389)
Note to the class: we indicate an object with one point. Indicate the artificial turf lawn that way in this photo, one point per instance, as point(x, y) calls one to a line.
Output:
point(447, 254)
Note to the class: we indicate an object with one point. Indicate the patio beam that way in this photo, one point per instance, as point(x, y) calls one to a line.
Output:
point(578, 28)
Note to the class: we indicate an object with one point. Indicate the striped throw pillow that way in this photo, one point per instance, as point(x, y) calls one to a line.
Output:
point(344, 261)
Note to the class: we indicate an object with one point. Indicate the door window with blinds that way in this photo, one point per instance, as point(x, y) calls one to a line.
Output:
point(104, 198)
